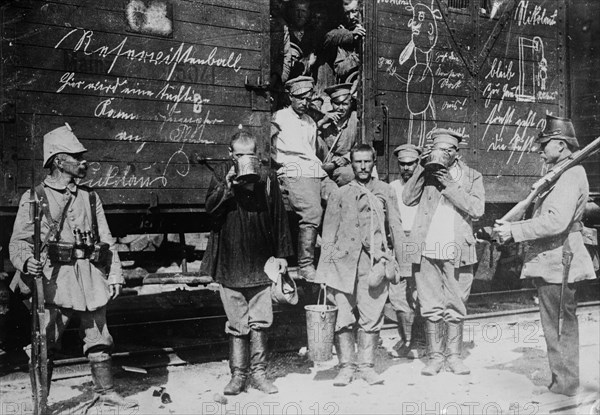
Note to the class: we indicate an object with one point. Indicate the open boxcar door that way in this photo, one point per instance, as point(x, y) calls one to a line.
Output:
point(488, 69)
point(149, 87)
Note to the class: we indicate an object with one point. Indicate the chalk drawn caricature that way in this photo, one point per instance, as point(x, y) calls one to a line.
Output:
point(533, 68)
point(419, 86)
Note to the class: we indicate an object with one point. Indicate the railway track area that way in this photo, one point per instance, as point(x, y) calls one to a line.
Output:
point(175, 340)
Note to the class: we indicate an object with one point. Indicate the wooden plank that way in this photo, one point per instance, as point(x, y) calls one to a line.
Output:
point(122, 50)
point(138, 132)
point(91, 85)
point(115, 198)
point(83, 15)
point(105, 151)
point(37, 25)
point(174, 171)
point(133, 110)
point(505, 189)
point(117, 5)
point(449, 108)
point(45, 58)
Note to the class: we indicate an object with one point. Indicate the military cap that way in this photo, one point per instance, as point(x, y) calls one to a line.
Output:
point(61, 140)
point(558, 129)
point(339, 93)
point(300, 85)
point(442, 135)
point(407, 152)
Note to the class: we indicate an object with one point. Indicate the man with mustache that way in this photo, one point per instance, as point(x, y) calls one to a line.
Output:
point(553, 234)
point(403, 294)
point(77, 281)
point(362, 239)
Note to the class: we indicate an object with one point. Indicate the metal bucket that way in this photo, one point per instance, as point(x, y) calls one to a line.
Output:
point(320, 327)
point(438, 159)
point(247, 168)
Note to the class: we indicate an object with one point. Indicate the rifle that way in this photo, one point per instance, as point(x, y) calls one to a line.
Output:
point(38, 366)
point(549, 179)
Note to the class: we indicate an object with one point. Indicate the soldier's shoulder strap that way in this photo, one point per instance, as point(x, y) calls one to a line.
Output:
point(93, 197)
point(43, 204)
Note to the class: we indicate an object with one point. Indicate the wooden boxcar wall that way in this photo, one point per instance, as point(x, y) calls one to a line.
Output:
point(489, 73)
point(584, 58)
point(147, 86)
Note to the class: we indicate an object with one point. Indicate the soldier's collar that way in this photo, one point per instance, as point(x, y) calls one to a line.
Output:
point(53, 184)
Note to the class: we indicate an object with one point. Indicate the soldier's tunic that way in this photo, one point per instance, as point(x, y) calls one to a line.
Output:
point(342, 175)
point(79, 286)
point(346, 251)
point(301, 174)
point(446, 251)
point(250, 226)
point(556, 225)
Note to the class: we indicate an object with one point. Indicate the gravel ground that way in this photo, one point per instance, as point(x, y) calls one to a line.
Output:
point(507, 359)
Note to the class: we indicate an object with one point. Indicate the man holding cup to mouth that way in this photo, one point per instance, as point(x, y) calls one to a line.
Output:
point(449, 195)
point(250, 233)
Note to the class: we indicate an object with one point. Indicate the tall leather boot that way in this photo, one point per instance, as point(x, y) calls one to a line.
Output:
point(344, 347)
point(238, 364)
point(405, 325)
point(367, 343)
point(434, 333)
point(104, 392)
point(454, 345)
point(258, 362)
point(307, 238)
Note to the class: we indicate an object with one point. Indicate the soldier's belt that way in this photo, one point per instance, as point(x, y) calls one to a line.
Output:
point(66, 252)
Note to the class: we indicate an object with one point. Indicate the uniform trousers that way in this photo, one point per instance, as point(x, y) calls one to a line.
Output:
point(97, 341)
point(443, 290)
point(247, 308)
point(403, 296)
point(304, 195)
point(368, 301)
point(563, 353)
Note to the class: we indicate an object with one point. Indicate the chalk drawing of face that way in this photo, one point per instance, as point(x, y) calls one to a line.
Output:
point(423, 25)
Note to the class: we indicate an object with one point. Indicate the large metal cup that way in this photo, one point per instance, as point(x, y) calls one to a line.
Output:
point(438, 159)
point(247, 168)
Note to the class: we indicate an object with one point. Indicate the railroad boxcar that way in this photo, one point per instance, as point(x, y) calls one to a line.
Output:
point(154, 90)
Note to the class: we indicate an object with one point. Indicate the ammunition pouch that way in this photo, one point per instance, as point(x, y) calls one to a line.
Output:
point(66, 252)
point(100, 252)
point(61, 252)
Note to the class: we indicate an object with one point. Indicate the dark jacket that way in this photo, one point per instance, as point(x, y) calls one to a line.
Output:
point(250, 226)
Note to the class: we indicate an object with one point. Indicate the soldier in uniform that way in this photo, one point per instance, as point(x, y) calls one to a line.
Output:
point(357, 221)
point(300, 171)
point(75, 283)
point(552, 235)
point(442, 242)
point(251, 229)
point(339, 129)
point(403, 295)
point(346, 41)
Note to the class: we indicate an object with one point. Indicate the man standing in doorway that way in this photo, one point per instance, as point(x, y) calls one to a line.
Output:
point(300, 172)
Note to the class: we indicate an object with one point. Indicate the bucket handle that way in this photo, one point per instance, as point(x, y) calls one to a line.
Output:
point(323, 290)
